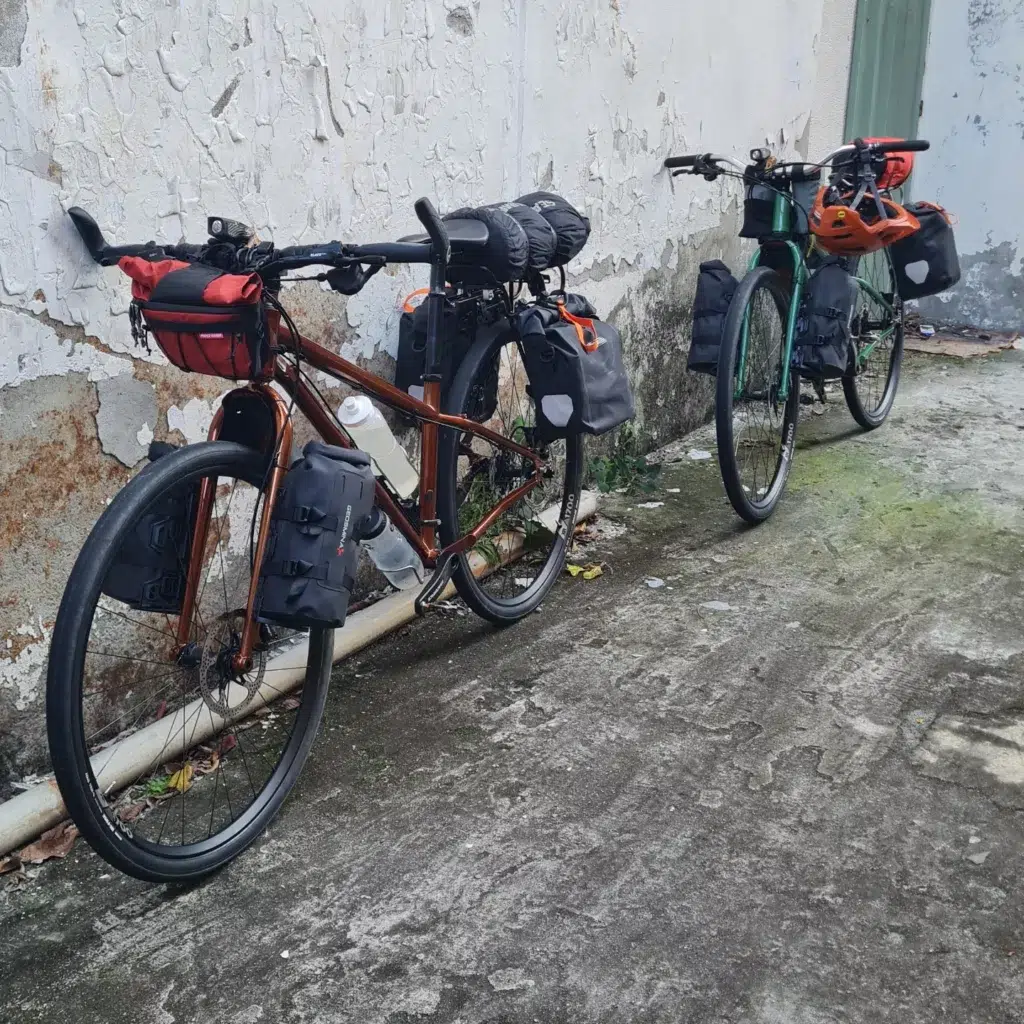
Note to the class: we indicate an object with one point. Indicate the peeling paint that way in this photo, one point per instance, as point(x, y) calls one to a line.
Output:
point(973, 102)
point(23, 673)
point(327, 120)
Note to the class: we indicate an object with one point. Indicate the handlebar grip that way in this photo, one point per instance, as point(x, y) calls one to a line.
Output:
point(907, 146)
point(434, 227)
point(682, 161)
point(896, 146)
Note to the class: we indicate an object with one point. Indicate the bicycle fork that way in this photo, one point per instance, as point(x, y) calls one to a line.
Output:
point(280, 452)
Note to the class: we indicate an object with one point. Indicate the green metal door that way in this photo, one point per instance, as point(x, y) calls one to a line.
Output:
point(887, 68)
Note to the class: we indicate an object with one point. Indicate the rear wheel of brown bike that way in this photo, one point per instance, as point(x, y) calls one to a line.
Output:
point(515, 563)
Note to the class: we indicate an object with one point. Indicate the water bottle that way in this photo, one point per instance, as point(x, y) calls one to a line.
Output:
point(368, 428)
point(391, 552)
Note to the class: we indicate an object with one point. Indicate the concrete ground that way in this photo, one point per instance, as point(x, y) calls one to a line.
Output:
point(785, 788)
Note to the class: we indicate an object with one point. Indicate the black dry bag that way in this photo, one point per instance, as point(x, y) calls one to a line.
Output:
point(926, 262)
point(715, 288)
point(577, 378)
point(823, 331)
point(151, 568)
point(310, 565)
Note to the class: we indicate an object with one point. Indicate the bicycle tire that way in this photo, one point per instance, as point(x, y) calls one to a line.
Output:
point(88, 808)
point(474, 373)
point(867, 317)
point(751, 506)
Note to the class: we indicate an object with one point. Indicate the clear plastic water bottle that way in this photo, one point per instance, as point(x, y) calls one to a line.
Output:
point(371, 433)
point(391, 552)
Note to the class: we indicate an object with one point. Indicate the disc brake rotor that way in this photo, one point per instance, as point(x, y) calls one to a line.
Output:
point(226, 692)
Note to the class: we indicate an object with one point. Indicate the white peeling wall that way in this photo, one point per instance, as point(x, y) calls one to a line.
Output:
point(974, 118)
point(320, 121)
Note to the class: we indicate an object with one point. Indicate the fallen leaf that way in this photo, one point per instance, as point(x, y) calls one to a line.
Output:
point(181, 780)
point(588, 572)
point(161, 710)
point(290, 703)
point(228, 744)
point(8, 864)
point(56, 843)
point(132, 811)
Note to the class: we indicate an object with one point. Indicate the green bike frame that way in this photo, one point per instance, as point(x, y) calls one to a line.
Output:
point(782, 215)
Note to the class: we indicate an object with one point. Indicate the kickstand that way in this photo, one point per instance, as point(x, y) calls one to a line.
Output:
point(435, 587)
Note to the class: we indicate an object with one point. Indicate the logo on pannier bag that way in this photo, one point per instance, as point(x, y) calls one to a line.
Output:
point(219, 336)
point(344, 530)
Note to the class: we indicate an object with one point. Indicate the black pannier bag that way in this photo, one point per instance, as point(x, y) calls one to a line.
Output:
point(462, 326)
point(823, 329)
point(543, 242)
point(309, 569)
point(577, 378)
point(715, 288)
point(572, 229)
point(151, 568)
point(505, 256)
point(926, 262)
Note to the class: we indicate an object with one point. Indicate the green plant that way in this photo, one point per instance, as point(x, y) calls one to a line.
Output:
point(624, 469)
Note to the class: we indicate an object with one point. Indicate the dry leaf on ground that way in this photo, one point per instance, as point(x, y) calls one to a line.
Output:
point(588, 572)
point(182, 778)
point(56, 843)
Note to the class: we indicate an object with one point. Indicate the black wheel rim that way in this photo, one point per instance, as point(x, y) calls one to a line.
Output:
point(877, 335)
point(194, 792)
point(520, 552)
point(760, 418)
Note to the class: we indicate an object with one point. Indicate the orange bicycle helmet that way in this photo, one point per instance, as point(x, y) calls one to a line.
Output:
point(898, 166)
point(847, 232)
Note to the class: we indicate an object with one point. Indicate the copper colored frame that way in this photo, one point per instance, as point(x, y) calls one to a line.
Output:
point(431, 419)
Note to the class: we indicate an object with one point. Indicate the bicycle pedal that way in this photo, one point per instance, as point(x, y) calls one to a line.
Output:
point(435, 587)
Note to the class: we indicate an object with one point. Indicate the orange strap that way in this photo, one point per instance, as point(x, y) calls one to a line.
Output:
point(407, 306)
point(585, 328)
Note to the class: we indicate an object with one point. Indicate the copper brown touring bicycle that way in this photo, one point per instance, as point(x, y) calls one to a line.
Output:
point(179, 709)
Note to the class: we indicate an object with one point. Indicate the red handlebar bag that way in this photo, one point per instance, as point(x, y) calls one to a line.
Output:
point(203, 320)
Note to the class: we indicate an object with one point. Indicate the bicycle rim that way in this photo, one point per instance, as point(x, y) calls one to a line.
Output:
point(756, 426)
point(204, 783)
point(877, 332)
point(523, 552)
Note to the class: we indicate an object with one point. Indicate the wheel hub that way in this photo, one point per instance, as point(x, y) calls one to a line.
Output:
point(225, 690)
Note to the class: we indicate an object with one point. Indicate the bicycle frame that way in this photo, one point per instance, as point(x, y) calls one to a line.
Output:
point(427, 412)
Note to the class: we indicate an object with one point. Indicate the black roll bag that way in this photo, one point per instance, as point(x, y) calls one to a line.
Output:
point(716, 287)
point(503, 258)
point(823, 330)
point(540, 235)
point(309, 569)
point(572, 229)
point(926, 262)
point(151, 568)
point(577, 377)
